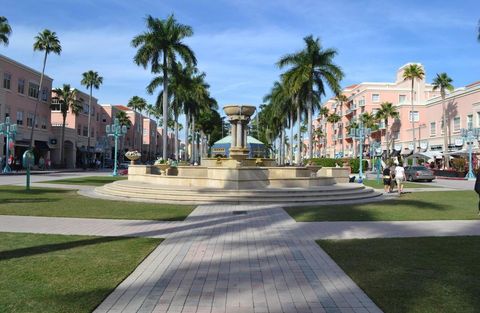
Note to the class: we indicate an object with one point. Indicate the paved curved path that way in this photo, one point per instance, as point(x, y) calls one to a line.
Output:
point(216, 261)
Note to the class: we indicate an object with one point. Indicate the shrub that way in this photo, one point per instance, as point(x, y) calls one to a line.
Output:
point(325, 162)
point(459, 164)
point(355, 165)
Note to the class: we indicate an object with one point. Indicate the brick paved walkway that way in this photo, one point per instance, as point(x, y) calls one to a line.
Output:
point(215, 261)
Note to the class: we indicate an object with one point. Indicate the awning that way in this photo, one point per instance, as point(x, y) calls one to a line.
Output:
point(428, 155)
point(22, 143)
point(41, 145)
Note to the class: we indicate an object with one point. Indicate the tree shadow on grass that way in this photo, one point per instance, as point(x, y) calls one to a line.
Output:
point(36, 250)
point(27, 200)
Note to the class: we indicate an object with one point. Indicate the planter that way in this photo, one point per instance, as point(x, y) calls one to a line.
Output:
point(444, 173)
point(133, 156)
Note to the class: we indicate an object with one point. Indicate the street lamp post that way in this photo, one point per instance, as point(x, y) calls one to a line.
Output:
point(116, 130)
point(9, 130)
point(470, 134)
point(360, 133)
point(376, 157)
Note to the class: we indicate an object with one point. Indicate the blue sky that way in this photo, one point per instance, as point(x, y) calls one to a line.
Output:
point(238, 42)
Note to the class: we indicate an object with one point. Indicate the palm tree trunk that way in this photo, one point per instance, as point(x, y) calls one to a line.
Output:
point(165, 104)
point(282, 146)
point(88, 125)
point(194, 142)
point(387, 139)
point(62, 153)
point(38, 101)
point(176, 136)
point(446, 159)
point(413, 120)
point(343, 129)
point(309, 128)
point(299, 139)
point(291, 138)
point(187, 130)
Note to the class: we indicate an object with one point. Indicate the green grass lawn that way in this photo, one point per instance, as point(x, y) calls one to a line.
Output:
point(15, 200)
point(56, 273)
point(414, 275)
point(373, 183)
point(87, 180)
point(433, 205)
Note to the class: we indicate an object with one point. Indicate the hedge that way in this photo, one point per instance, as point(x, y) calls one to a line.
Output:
point(329, 162)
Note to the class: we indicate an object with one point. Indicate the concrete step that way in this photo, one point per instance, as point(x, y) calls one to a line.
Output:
point(285, 195)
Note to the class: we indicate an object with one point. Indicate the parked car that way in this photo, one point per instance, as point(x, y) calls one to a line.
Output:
point(419, 173)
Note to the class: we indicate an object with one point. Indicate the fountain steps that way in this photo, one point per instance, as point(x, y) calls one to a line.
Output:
point(154, 192)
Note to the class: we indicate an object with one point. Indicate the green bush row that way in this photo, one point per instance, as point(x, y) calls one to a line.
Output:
point(329, 162)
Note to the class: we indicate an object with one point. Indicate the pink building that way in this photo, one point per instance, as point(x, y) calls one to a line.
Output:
point(19, 91)
point(76, 133)
point(367, 97)
point(149, 139)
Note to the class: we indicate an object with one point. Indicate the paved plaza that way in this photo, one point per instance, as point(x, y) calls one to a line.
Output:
point(237, 258)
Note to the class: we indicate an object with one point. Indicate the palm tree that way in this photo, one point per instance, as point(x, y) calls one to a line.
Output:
point(412, 72)
point(444, 83)
point(46, 41)
point(67, 98)
point(369, 121)
point(333, 119)
point(353, 125)
point(312, 68)
point(160, 46)
point(5, 30)
point(324, 112)
point(387, 110)
point(341, 99)
point(137, 104)
point(90, 80)
point(123, 120)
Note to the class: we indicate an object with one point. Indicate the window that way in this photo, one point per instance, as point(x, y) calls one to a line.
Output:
point(374, 112)
point(478, 118)
point(56, 106)
point(470, 121)
point(29, 119)
point(92, 133)
point(19, 118)
point(104, 117)
point(44, 123)
point(415, 115)
point(98, 117)
point(442, 125)
point(21, 86)
point(45, 94)
point(433, 129)
point(361, 102)
point(402, 98)
point(456, 124)
point(79, 130)
point(85, 131)
point(6, 80)
point(7, 111)
point(33, 90)
point(375, 97)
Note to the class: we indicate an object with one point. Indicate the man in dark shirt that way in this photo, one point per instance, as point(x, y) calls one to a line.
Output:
point(386, 179)
point(477, 189)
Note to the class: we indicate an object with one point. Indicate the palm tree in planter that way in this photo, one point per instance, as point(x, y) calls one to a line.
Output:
point(5, 30)
point(137, 104)
point(333, 119)
point(324, 112)
point(413, 72)
point(160, 46)
point(387, 111)
point(66, 97)
point(369, 121)
point(444, 83)
point(312, 69)
point(46, 41)
point(90, 80)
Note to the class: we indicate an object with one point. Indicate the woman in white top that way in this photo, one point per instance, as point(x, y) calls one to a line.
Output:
point(399, 177)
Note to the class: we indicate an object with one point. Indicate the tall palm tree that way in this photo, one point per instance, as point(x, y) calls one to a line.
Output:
point(90, 80)
point(137, 104)
point(5, 30)
point(444, 83)
point(314, 68)
point(412, 72)
point(387, 111)
point(341, 99)
point(333, 119)
point(324, 112)
point(67, 98)
point(46, 41)
point(369, 121)
point(160, 46)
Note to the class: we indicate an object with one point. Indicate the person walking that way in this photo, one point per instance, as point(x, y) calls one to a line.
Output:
point(387, 179)
point(399, 177)
point(477, 189)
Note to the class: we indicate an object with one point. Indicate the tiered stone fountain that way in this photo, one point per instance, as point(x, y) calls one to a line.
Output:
point(238, 179)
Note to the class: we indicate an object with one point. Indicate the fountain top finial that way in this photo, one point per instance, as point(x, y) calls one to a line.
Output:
point(239, 110)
